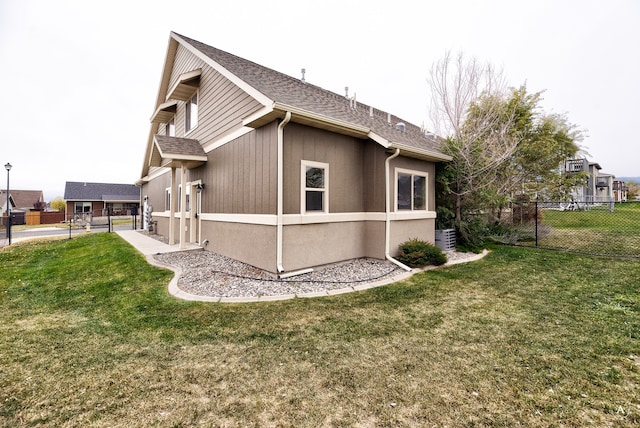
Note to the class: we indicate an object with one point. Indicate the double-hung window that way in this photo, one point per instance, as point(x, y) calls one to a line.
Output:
point(411, 190)
point(191, 110)
point(314, 197)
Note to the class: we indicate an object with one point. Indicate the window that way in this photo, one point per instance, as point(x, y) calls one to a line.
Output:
point(167, 198)
point(191, 116)
point(170, 129)
point(411, 190)
point(82, 207)
point(314, 184)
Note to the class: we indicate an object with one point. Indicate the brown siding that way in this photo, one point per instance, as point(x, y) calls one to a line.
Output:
point(221, 104)
point(240, 177)
point(155, 191)
point(345, 158)
point(417, 165)
point(373, 177)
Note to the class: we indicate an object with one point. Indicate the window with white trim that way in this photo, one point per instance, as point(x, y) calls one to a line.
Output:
point(170, 128)
point(82, 207)
point(167, 198)
point(191, 113)
point(314, 184)
point(411, 190)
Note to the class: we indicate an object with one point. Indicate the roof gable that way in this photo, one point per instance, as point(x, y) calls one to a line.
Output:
point(23, 199)
point(308, 104)
point(289, 93)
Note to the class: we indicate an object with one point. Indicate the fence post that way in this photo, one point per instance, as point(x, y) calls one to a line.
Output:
point(536, 214)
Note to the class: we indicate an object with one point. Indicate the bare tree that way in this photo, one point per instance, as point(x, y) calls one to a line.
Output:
point(469, 108)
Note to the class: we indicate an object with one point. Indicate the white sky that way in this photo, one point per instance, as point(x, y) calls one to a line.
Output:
point(79, 78)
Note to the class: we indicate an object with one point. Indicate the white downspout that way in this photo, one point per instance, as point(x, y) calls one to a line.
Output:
point(183, 205)
point(387, 225)
point(280, 208)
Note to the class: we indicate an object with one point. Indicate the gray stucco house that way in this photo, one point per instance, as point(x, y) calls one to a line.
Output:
point(276, 172)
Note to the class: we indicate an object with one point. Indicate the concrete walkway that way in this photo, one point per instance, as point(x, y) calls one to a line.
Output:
point(150, 246)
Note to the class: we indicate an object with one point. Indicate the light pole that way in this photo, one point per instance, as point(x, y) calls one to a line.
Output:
point(7, 166)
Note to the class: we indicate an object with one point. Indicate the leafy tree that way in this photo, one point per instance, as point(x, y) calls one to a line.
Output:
point(58, 204)
point(503, 145)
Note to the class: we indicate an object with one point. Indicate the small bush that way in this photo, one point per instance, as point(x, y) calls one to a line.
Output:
point(416, 253)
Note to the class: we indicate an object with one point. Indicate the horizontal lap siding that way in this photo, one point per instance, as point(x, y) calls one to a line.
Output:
point(237, 176)
point(221, 104)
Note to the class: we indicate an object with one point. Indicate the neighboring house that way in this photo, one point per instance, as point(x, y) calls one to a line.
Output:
point(3, 201)
point(22, 201)
point(620, 191)
point(598, 186)
point(276, 172)
point(87, 200)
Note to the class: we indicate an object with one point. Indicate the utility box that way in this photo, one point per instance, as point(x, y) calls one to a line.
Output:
point(446, 239)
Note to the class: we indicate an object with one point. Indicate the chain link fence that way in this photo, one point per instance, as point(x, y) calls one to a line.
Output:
point(597, 228)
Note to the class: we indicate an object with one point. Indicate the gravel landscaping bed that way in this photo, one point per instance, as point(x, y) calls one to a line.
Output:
point(205, 273)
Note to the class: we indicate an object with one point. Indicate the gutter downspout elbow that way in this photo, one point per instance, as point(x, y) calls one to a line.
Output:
point(387, 223)
point(280, 210)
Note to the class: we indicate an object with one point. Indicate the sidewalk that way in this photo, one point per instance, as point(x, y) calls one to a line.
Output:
point(149, 246)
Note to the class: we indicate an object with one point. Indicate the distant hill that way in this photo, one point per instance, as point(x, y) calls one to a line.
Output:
point(634, 179)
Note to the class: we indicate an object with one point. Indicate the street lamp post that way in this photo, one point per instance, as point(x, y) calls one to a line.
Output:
point(7, 166)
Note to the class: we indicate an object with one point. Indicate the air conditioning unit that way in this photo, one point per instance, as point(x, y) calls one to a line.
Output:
point(446, 239)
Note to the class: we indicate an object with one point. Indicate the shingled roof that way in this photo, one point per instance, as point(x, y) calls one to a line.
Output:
point(22, 199)
point(289, 91)
point(280, 94)
point(107, 192)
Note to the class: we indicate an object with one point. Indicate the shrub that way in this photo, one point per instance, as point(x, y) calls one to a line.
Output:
point(417, 253)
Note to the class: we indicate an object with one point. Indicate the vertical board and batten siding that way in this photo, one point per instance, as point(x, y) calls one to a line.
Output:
point(221, 104)
point(240, 176)
point(373, 178)
point(344, 155)
point(155, 189)
point(415, 165)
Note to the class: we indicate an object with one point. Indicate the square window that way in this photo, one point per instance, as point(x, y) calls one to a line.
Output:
point(411, 190)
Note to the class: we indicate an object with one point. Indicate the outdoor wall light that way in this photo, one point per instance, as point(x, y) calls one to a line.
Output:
point(199, 187)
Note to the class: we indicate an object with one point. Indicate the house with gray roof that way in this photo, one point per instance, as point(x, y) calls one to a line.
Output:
point(277, 172)
point(86, 200)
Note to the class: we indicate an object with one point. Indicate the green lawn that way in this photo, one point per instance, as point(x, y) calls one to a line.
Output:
point(594, 231)
point(625, 217)
point(524, 337)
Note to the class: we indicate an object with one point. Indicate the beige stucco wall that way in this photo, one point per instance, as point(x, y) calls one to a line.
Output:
point(404, 230)
point(249, 243)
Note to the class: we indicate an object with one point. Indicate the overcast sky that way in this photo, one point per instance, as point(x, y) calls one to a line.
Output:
point(79, 78)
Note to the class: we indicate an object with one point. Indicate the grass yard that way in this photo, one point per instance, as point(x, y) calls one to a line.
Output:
point(596, 231)
point(89, 337)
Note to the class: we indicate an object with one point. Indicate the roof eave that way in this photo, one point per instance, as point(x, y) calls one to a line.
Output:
point(304, 117)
